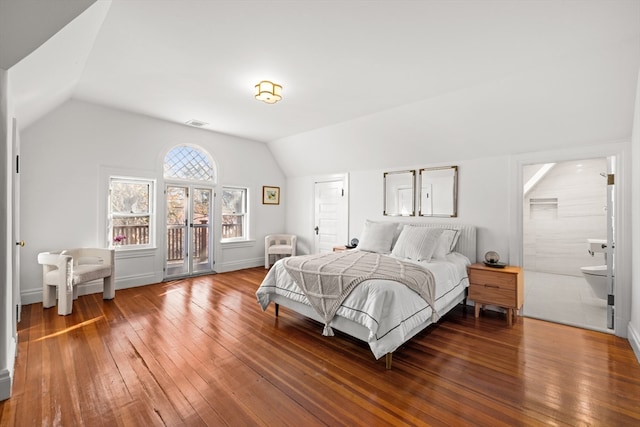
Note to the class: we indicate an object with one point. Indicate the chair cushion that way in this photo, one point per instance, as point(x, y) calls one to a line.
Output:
point(87, 272)
point(279, 249)
point(81, 274)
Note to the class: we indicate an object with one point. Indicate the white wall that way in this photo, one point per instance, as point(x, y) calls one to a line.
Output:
point(482, 188)
point(67, 157)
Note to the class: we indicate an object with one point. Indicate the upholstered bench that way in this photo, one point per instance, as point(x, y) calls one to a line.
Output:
point(65, 270)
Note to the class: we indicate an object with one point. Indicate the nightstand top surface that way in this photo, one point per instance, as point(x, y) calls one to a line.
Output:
point(508, 269)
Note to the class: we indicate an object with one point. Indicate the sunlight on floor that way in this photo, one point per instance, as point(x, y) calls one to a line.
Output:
point(71, 328)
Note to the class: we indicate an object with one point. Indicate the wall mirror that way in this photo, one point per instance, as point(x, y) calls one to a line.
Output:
point(399, 190)
point(438, 191)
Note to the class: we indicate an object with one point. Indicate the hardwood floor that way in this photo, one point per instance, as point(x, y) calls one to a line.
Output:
point(201, 352)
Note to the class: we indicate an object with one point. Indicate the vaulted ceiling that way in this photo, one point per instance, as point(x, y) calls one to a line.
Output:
point(337, 61)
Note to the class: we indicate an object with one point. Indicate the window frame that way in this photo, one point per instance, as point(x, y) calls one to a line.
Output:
point(151, 212)
point(246, 235)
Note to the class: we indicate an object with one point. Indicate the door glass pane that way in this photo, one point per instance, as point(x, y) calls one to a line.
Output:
point(177, 216)
point(201, 237)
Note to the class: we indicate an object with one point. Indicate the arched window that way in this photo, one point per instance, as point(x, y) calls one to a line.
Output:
point(185, 162)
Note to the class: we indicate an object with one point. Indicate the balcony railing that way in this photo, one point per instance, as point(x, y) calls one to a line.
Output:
point(139, 235)
point(135, 234)
point(176, 239)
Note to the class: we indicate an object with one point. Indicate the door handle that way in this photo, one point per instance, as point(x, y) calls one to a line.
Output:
point(20, 243)
point(316, 230)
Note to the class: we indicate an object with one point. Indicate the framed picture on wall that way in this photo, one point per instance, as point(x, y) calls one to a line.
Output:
point(270, 195)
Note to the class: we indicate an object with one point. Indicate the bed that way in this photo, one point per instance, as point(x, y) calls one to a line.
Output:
point(380, 311)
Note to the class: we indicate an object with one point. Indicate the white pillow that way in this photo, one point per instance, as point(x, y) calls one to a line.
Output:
point(446, 243)
point(377, 237)
point(417, 243)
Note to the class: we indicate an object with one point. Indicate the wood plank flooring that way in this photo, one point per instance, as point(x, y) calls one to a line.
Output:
point(201, 352)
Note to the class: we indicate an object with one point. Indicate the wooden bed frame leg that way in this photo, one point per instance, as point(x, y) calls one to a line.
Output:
point(277, 309)
point(387, 360)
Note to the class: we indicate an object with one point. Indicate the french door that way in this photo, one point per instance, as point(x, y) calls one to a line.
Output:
point(188, 230)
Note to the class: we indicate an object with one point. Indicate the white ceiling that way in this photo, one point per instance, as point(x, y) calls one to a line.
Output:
point(336, 60)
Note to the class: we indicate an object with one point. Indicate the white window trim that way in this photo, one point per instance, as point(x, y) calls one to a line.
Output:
point(247, 216)
point(105, 175)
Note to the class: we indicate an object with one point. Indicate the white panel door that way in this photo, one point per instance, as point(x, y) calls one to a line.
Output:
point(331, 215)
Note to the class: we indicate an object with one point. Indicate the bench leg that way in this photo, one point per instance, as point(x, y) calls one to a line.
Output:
point(109, 291)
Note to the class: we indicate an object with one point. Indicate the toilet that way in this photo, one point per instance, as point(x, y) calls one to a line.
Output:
point(596, 276)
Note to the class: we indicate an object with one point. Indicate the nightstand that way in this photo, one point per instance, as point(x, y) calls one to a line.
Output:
point(496, 286)
point(339, 248)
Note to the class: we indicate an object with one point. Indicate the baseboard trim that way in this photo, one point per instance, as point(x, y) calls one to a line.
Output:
point(239, 265)
point(5, 384)
point(634, 340)
point(6, 375)
point(33, 296)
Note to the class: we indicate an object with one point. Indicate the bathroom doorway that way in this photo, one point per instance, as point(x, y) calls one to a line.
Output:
point(568, 222)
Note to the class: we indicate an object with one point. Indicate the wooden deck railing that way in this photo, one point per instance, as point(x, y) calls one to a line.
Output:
point(139, 235)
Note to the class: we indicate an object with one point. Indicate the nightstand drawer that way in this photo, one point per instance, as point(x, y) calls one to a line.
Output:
point(492, 294)
point(496, 279)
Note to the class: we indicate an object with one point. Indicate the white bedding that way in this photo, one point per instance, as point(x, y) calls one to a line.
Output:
point(391, 312)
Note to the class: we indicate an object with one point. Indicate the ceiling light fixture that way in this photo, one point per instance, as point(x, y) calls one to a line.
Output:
point(268, 92)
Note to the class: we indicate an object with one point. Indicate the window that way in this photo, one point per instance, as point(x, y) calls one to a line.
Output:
point(131, 217)
point(234, 214)
point(188, 163)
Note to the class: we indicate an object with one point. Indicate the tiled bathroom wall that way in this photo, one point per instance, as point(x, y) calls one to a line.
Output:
point(564, 209)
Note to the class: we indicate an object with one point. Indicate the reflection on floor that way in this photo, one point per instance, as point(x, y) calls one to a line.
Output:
point(563, 299)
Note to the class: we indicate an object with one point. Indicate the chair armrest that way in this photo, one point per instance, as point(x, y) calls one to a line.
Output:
point(96, 256)
point(53, 259)
point(60, 262)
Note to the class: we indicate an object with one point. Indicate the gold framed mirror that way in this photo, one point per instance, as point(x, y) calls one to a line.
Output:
point(399, 193)
point(438, 192)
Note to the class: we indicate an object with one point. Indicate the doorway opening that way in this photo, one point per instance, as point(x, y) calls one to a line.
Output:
point(189, 234)
point(568, 250)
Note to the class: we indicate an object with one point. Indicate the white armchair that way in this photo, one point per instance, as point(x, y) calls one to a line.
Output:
point(278, 245)
point(64, 270)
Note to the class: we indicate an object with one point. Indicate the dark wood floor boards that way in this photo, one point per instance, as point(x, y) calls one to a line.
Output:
point(200, 351)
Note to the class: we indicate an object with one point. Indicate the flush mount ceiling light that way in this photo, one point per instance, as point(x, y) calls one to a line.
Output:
point(268, 92)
